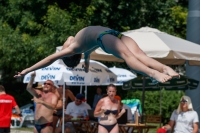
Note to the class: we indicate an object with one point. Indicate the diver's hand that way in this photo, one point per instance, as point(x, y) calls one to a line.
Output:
point(33, 74)
point(85, 68)
point(20, 74)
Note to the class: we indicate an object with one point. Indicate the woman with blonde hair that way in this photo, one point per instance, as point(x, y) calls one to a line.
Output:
point(184, 119)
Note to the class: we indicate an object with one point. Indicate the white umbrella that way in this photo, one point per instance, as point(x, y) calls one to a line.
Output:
point(123, 75)
point(98, 74)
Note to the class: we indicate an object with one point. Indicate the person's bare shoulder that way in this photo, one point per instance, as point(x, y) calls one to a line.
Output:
point(101, 101)
point(53, 95)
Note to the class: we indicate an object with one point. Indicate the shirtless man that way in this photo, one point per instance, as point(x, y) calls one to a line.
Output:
point(57, 115)
point(45, 104)
point(111, 41)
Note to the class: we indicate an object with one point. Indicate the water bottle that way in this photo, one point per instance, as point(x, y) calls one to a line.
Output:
point(86, 117)
point(84, 114)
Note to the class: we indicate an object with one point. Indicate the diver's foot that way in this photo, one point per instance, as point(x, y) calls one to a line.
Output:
point(169, 71)
point(160, 77)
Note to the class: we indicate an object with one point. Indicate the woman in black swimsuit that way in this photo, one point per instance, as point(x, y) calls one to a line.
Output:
point(107, 110)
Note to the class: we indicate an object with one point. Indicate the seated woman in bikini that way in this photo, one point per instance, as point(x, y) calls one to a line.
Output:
point(107, 110)
point(111, 41)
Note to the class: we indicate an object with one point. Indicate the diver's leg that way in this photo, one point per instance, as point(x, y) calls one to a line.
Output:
point(115, 46)
point(69, 40)
point(140, 55)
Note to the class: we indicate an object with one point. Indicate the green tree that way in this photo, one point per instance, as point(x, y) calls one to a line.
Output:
point(169, 101)
point(24, 40)
point(30, 30)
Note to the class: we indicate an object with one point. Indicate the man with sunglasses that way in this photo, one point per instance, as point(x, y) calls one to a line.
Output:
point(45, 105)
point(184, 119)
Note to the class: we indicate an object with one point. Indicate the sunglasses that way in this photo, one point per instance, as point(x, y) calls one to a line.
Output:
point(183, 101)
point(47, 83)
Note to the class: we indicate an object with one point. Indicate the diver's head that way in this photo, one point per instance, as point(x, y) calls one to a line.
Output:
point(72, 61)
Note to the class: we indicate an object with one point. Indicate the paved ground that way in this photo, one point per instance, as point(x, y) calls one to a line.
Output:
point(19, 131)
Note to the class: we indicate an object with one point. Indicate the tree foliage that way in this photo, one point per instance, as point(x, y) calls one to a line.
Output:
point(167, 100)
point(34, 28)
point(30, 30)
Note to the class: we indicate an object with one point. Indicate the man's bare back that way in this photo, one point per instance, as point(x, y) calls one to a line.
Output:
point(68, 94)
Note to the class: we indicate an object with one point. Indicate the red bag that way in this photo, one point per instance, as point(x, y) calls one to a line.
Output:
point(161, 130)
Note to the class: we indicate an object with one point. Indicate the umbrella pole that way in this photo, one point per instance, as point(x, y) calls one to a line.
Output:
point(81, 89)
point(160, 101)
point(86, 92)
point(143, 98)
point(63, 112)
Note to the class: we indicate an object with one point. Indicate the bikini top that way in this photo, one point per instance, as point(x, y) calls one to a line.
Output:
point(114, 112)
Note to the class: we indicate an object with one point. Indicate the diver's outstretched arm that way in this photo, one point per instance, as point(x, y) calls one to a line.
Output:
point(69, 51)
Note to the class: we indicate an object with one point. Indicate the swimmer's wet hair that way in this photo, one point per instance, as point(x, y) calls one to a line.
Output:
point(72, 61)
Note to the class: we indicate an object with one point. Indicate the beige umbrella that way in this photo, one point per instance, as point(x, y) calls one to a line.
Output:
point(161, 46)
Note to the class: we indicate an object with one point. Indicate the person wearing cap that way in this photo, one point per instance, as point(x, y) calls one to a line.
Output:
point(184, 119)
point(129, 113)
point(75, 109)
point(45, 104)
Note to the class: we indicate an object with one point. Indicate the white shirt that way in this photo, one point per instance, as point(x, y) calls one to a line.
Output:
point(77, 110)
point(184, 121)
point(129, 113)
point(87, 105)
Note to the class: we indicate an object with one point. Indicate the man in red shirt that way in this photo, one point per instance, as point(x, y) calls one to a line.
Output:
point(7, 103)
